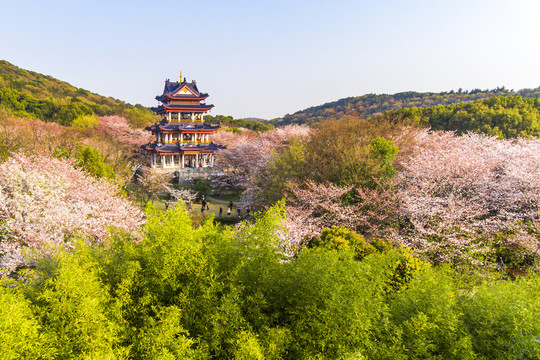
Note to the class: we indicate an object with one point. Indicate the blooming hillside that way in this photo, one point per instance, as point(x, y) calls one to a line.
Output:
point(470, 200)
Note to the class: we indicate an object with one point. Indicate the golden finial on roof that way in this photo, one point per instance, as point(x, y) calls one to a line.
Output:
point(180, 77)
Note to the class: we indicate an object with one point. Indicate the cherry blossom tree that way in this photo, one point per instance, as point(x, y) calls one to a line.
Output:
point(312, 207)
point(467, 196)
point(229, 138)
point(34, 136)
point(112, 137)
point(46, 201)
point(150, 182)
point(178, 195)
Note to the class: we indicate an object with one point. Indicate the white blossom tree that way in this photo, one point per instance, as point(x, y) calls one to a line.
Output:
point(46, 201)
point(150, 182)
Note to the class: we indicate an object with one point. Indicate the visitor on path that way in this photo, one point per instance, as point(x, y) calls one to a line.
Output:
point(220, 211)
point(230, 205)
point(239, 212)
point(228, 211)
point(208, 205)
point(166, 205)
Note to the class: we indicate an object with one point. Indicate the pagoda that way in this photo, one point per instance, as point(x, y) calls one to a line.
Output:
point(182, 138)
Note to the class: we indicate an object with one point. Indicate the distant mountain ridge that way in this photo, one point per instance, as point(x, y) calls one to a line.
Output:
point(373, 105)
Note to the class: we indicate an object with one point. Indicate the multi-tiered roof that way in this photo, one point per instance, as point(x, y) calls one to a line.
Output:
point(181, 97)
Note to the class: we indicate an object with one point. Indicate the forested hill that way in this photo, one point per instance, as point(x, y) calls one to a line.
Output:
point(27, 93)
point(372, 105)
point(502, 116)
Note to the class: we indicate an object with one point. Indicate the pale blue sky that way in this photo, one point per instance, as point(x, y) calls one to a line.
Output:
point(269, 58)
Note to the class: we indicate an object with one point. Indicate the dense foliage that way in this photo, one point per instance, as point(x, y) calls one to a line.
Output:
point(504, 117)
point(26, 106)
point(139, 117)
point(224, 293)
point(351, 152)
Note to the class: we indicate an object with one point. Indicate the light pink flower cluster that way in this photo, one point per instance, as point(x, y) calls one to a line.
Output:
point(313, 207)
point(47, 201)
point(456, 189)
point(118, 128)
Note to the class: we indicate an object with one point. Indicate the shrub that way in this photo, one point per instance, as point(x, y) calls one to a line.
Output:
point(139, 118)
point(85, 121)
point(93, 162)
point(202, 187)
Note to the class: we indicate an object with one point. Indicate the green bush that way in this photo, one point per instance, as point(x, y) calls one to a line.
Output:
point(85, 121)
point(77, 310)
point(92, 161)
point(427, 318)
point(214, 292)
point(21, 335)
point(139, 118)
point(202, 187)
point(502, 318)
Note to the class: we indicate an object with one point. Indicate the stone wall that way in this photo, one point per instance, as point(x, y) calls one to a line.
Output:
point(188, 174)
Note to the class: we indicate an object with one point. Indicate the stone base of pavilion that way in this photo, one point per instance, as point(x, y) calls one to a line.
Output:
point(187, 174)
